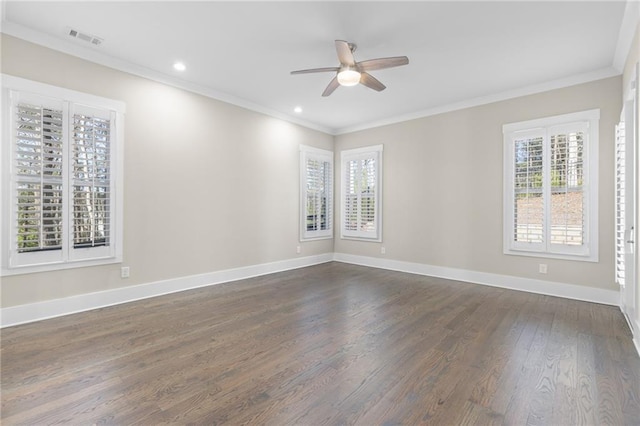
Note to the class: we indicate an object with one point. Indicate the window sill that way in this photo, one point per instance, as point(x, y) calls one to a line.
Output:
point(322, 237)
point(365, 239)
point(560, 256)
point(58, 266)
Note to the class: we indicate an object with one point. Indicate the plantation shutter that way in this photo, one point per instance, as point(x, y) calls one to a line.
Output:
point(620, 203)
point(567, 198)
point(361, 194)
point(316, 193)
point(368, 190)
point(38, 177)
point(91, 179)
point(351, 198)
point(529, 201)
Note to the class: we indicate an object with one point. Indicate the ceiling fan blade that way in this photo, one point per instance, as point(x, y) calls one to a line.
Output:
point(371, 82)
point(345, 55)
point(382, 63)
point(333, 85)
point(326, 69)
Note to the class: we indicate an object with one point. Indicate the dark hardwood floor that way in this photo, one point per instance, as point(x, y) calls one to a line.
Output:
point(330, 344)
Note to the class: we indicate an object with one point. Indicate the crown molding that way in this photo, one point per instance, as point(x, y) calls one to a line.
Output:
point(483, 100)
point(627, 32)
point(89, 54)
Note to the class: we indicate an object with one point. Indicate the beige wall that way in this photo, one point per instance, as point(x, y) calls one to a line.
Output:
point(196, 171)
point(443, 181)
point(208, 186)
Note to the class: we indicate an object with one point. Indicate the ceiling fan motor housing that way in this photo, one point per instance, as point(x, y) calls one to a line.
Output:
point(351, 73)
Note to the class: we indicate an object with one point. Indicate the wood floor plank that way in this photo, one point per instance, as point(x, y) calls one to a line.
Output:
point(325, 345)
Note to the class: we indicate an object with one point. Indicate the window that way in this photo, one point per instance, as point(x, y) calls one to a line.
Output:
point(316, 193)
point(61, 204)
point(551, 177)
point(362, 193)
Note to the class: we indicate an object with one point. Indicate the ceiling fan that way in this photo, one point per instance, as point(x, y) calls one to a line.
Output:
point(350, 72)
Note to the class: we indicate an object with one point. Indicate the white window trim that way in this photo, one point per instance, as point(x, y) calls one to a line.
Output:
point(15, 84)
point(307, 152)
point(591, 150)
point(374, 151)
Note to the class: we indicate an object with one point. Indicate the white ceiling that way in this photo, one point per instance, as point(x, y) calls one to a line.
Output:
point(242, 52)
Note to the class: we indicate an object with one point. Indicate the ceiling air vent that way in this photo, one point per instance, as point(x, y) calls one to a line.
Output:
point(96, 41)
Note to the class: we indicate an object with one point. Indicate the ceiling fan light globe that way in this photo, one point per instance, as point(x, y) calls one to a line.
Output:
point(348, 77)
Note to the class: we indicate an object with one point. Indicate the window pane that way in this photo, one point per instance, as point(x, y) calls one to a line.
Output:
point(317, 193)
point(91, 178)
point(360, 199)
point(351, 197)
point(367, 194)
point(312, 172)
point(567, 200)
point(361, 193)
point(529, 202)
point(38, 164)
point(318, 189)
point(326, 174)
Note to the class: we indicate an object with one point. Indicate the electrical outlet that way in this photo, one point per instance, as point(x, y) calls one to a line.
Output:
point(298, 249)
point(124, 272)
point(383, 250)
point(542, 268)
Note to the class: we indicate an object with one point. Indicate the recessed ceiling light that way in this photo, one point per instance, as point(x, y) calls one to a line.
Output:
point(297, 110)
point(179, 66)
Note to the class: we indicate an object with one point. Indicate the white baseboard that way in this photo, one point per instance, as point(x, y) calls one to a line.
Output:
point(550, 288)
point(31, 312)
point(634, 326)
